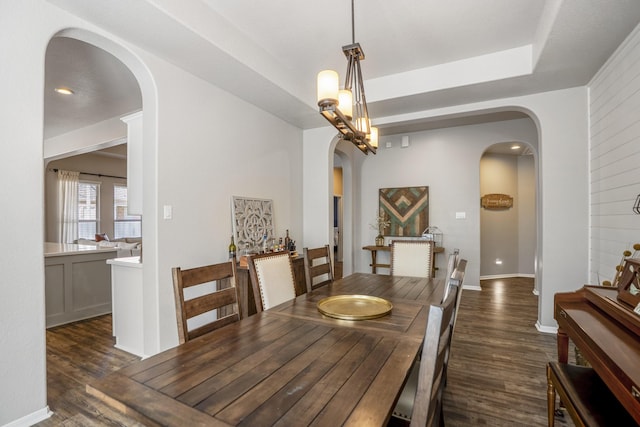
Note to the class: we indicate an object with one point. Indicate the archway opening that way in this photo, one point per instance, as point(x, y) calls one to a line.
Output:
point(508, 214)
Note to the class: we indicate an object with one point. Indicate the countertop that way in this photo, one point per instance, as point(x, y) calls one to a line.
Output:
point(132, 261)
point(61, 249)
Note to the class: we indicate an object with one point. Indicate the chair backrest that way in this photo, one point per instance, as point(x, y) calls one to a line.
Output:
point(317, 264)
point(452, 262)
point(456, 280)
point(272, 279)
point(215, 301)
point(412, 258)
point(427, 408)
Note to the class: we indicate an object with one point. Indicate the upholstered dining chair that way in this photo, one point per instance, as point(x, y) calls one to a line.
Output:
point(420, 402)
point(412, 258)
point(317, 267)
point(214, 296)
point(272, 279)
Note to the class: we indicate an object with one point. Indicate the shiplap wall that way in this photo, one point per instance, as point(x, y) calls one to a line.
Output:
point(615, 158)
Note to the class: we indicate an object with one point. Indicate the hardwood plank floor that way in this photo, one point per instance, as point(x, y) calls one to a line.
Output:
point(77, 353)
point(496, 371)
point(497, 368)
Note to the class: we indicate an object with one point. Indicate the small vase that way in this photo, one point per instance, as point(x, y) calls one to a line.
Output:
point(379, 240)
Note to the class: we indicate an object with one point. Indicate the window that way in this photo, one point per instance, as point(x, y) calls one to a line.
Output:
point(88, 217)
point(124, 225)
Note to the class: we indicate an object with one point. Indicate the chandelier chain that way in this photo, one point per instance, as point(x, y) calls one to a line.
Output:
point(353, 23)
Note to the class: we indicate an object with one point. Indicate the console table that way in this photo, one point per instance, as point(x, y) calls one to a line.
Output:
point(374, 257)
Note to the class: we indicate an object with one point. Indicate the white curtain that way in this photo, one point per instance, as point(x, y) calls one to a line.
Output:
point(68, 206)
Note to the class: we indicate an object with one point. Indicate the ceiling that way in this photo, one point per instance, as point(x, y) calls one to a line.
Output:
point(420, 54)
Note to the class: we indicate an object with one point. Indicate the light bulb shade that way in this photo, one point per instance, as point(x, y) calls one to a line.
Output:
point(373, 137)
point(345, 102)
point(363, 125)
point(328, 86)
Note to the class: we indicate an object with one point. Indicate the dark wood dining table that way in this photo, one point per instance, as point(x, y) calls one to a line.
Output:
point(289, 365)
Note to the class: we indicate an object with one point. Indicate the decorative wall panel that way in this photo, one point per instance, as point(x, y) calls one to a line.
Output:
point(252, 219)
point(407, 209)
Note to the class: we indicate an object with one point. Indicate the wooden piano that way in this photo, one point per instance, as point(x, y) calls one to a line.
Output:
point(602, 324)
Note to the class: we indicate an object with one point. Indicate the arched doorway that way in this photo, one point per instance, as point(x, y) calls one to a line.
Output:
point(147, 145)
point(508, 216)
point(345, 206)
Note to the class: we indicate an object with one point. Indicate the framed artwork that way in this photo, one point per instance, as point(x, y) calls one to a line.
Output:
point(252, 219)
point(407, 209)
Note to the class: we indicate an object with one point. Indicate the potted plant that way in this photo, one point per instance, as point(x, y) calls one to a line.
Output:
point(381, 222)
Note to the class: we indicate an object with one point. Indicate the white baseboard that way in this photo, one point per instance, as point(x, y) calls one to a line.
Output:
point(471, 287)
point(507, 276)
point(130, 350)
point(31, 419)
point(546, 329)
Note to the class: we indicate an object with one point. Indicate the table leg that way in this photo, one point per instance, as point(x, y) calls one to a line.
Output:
point(563, 346)
point(373, 261)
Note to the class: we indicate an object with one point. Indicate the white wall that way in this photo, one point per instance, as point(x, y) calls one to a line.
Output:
point(448, 161)
point(562, 197)
point(508, 234)
point(614, 97)
point(527, 227)
point(198, 152)
point(24, 30)
point(499, 227)
point(206, 155)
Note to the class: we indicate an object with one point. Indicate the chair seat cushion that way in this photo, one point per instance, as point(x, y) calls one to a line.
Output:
point(590, 396)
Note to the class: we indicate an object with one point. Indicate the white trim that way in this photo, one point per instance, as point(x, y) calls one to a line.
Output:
point(31, 419)
point(472, 287)
point(546, 329)
point(535, 292)
point(507, 276)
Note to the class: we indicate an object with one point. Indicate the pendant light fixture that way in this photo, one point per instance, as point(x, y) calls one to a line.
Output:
point(346, 109)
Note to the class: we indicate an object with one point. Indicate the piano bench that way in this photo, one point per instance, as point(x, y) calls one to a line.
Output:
point(585, 396)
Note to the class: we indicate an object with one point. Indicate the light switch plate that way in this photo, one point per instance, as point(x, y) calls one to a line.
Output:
point(168, 212)
point(461, 215)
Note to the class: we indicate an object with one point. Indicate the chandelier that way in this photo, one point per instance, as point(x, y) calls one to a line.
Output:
point(346, 109)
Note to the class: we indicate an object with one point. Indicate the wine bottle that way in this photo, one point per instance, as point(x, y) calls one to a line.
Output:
point(232, 249)
point(287, 242)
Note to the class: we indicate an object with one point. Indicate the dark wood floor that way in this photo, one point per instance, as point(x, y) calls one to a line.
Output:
point(76, 354)
point(496, 370)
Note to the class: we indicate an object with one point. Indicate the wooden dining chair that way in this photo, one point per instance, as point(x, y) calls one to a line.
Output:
point(452, 262)
point(420, 402)
point(456, 279)
point(317, 267)
point(412, 258)
point(214, 299)
point(272, 279)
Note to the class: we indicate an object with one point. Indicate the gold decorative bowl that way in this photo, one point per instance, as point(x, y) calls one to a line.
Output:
point(354, 307)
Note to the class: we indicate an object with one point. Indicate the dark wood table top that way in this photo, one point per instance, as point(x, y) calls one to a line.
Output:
point(289, 365)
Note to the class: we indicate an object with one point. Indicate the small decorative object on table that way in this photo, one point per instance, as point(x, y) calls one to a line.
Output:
point(434, 234)
point(381, 222)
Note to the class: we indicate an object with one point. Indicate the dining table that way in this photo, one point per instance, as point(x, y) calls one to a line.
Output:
point(291, 365)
